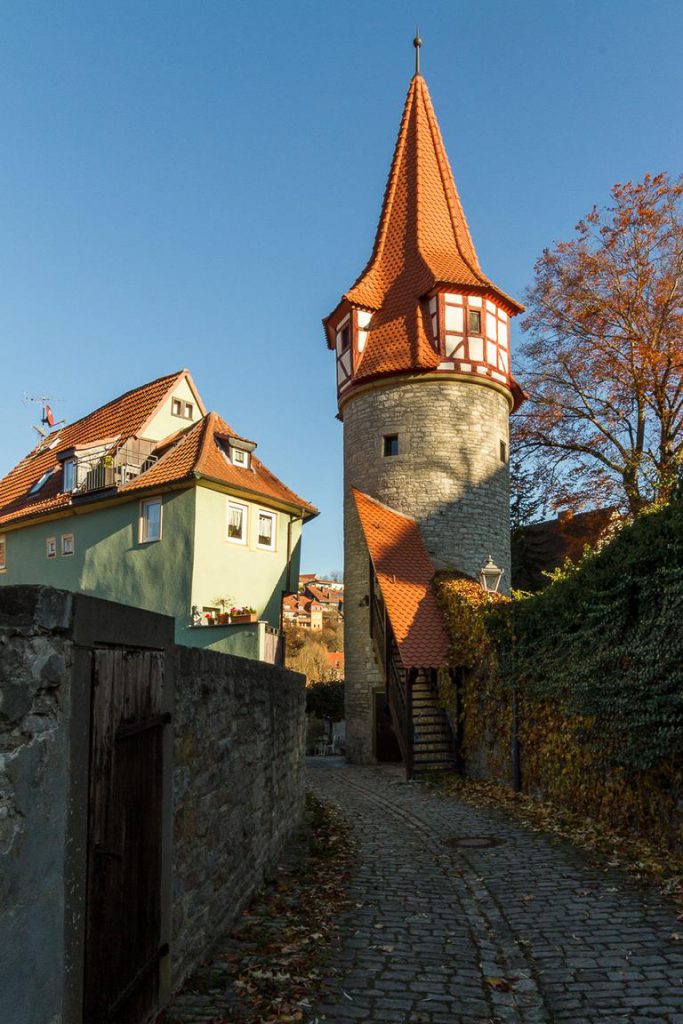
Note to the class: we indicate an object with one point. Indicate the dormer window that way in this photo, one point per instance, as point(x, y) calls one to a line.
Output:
point(239, 457)
point(345, 338)
point(69, 483)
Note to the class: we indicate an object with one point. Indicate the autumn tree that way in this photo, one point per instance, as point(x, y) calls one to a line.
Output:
point(603, 365)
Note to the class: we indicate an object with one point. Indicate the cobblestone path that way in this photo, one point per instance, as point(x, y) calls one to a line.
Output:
point(524, 931)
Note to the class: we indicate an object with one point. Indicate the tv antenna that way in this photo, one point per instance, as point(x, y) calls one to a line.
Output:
point(47, 417)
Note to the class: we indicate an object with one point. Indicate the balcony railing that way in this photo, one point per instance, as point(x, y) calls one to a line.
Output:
point(100, 472)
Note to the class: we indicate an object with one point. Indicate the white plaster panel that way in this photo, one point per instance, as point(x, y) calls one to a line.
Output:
point(491, 353)
point(455, 300)
point(477, 349)
point(362, 338)
point(432, 304)
point(498, 376)
point(503, 360)
point(454, 318)
point(503, 315)
point(490, 306)
point(445, 366)
point(490, 327)
point(364, 318)
point(474, 301)
point(502, 334)
point(466, 367)
point(346, 361)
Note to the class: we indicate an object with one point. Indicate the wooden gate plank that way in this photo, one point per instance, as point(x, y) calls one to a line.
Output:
point(125, 819)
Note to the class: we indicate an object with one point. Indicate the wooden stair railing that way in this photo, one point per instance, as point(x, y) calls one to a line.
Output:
point(398, 681)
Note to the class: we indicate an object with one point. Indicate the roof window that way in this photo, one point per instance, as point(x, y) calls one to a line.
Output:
point(39, 483)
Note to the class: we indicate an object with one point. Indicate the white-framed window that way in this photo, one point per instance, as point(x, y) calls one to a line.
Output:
point(236, 528)
point(68, 544)
point(239, 458)
point(3, 553)
point(267, 529)
point(150, 520)
point(69, 475)
point(51, 547)
point(181, 408)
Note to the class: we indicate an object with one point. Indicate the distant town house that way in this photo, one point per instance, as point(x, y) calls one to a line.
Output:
point(154, 502)
point(302, 611)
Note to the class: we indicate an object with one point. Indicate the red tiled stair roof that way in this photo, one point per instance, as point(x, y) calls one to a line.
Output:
point(404, 572)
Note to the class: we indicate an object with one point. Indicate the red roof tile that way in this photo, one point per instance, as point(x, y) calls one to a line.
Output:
point(192, 453)
point(422, 242)
point(121, 418)
point(404, 571)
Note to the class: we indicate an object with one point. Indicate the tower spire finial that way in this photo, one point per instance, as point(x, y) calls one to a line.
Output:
point(417, 43)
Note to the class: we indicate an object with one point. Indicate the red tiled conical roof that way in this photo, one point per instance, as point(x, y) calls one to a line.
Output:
point(422, 242)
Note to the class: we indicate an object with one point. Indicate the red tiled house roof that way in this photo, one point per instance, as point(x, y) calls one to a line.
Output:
point(404, 572)
point(190, 454)
point(541, 547)
point(422, 243)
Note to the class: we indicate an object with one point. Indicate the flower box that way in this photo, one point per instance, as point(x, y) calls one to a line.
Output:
point(237, 619)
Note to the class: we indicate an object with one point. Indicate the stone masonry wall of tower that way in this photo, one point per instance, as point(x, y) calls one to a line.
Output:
point(363, 677)
point(448, 475)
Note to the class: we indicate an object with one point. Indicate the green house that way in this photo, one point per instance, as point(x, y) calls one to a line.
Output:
point(154, 502)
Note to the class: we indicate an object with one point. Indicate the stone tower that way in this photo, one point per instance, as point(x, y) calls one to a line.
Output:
point(422, 344)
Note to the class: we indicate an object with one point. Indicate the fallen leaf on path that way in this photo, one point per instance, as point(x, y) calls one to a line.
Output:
point(500, 984)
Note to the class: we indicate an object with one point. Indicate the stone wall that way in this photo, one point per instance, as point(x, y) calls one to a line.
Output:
point(35, 665)
point(448, 475)
point(238, 789)
point(236, 768)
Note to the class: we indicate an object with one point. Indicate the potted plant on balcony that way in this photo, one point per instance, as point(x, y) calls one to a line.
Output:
point(223, 616)
point(244, 614)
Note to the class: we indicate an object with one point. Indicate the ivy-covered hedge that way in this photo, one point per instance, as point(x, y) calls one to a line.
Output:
point(595, 663)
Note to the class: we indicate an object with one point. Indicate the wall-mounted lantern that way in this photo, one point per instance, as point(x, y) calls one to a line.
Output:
point(490, 576)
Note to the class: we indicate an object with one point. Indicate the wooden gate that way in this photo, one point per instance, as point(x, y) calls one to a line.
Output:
point(124, 837)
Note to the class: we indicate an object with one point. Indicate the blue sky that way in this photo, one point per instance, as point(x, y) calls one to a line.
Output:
point(196, 183)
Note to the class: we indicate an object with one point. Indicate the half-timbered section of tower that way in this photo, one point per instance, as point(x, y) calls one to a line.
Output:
point(425, 389)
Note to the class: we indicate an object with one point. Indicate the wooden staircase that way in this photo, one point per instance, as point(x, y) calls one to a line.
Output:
point(433, 748)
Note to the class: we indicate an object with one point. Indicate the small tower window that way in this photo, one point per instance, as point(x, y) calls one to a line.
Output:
point(503, 451)
point(390, 444)
point(345, 338)
point(474, 321)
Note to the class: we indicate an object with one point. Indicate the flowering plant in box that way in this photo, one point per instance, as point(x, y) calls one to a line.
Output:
point(245, 610)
